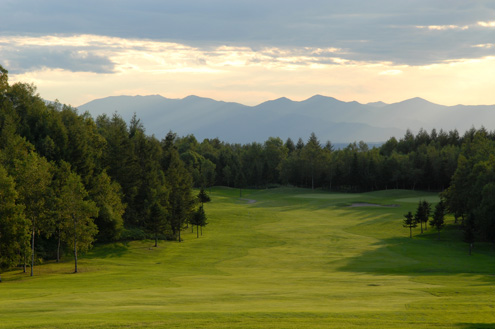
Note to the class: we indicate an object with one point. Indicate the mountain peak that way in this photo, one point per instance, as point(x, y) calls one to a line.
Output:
point(417, 100)
point(318, 97)
point(377, 104)
point(278, 101)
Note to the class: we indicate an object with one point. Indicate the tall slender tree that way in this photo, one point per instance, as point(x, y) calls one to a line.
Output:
point(33, 179)
point(179, 182)
point(107, 195)
point(14, 228)
point(438, 221)
point(410, 222)
point(79, 228)
point(311, 152)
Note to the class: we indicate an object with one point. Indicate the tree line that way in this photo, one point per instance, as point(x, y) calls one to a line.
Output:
point(423, 161)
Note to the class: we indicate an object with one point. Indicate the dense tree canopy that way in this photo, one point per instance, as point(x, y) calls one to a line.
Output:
point(68, 179)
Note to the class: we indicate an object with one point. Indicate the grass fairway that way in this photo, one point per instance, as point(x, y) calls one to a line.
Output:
point(293, 259)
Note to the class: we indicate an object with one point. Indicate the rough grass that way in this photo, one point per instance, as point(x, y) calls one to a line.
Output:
point(294, 259)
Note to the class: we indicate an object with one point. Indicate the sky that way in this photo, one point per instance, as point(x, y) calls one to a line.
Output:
point(252, 51)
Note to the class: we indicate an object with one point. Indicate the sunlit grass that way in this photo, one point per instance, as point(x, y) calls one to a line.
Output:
point(294, 259)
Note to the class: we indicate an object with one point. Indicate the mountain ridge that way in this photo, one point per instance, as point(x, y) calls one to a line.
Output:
point(328, 117)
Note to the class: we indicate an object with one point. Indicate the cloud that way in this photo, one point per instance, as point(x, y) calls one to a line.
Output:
point(100, 54)
point(391, 72)
point(485, 46)
point(33, 54)
point(487, 24)
point(367, 30)
point(443, 27)
point(247, 75)
point(252, 49)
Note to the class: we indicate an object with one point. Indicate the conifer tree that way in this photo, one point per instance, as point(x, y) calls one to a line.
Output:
point(179, 184)
point(199, 219)
point(157, 220)
point(438, 221)
point(203, 197)
point(410, 222)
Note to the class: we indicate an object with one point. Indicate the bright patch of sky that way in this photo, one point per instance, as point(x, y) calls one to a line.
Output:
point(252, 51)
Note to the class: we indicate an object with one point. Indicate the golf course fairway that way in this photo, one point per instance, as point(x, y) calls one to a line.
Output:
point(278, 258)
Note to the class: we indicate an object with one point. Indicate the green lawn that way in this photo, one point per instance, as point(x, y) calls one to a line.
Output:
point(294, 259)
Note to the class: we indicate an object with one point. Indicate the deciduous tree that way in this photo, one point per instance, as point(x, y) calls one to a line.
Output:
point(33, 179)
point(79, 228)
point(14, 228)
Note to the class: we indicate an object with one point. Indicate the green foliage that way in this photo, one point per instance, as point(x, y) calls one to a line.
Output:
point(108, 198)
point(203, 197)
point(410, 222)
point(472, 189)
point(422, 213)
point(179, 184)
point(438, 221)
point(198, 218)
point(77, 227)
point(33, 179)
point(14, 228)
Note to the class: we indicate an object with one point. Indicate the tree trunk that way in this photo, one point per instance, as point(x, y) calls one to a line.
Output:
point(32, 252)
point(470, 248)
point(25, 262)
point(58, 248)
point(179, 234)
point(75, 246)
point(312, 179)
point(410, 232)
point(197, 231)
point(156, 239)
point(421, 222)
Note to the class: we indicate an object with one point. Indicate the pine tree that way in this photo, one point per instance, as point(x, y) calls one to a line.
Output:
point(199, 219)
point(438, 220)
point(203, 197)
point(179, 184)
point(410, 222)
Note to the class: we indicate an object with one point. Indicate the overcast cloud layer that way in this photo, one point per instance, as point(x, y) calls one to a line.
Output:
point(258, 40)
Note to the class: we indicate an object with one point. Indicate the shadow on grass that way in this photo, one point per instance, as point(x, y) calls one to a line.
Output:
point(116, 249)
point(476, 325)
point(425, 255)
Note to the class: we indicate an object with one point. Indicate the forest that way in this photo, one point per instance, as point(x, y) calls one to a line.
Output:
point(69, 180)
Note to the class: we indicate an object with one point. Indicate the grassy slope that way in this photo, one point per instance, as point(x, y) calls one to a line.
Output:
point(294, 259)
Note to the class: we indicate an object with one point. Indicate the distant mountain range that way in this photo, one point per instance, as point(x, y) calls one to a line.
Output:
point(329, 118)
